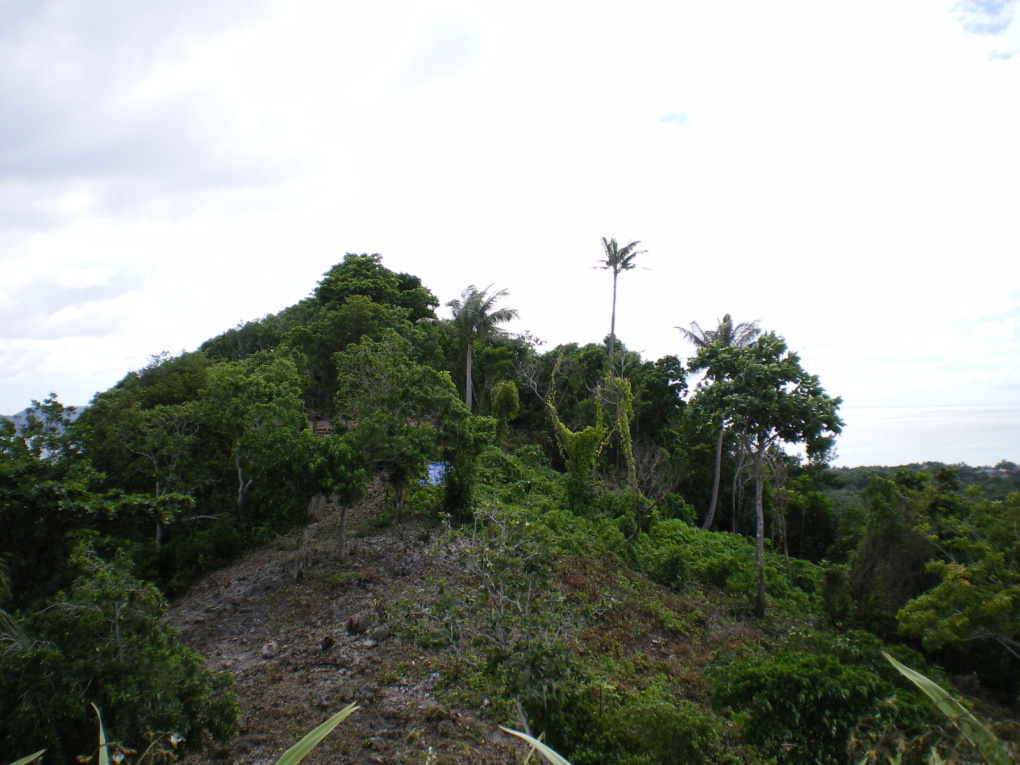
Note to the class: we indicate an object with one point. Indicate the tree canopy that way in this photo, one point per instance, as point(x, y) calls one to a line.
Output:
point(771, 401)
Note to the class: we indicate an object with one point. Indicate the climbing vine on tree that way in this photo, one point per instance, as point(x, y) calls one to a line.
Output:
point(619, 397)
point(580, 450)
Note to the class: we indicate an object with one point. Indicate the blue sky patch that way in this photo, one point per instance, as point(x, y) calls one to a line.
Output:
point(677, 118)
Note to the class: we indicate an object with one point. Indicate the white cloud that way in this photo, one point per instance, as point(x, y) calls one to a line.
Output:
point(445, 51)
point(845, 173)
point(985, 16)
point(997, 21)
point(77, 122)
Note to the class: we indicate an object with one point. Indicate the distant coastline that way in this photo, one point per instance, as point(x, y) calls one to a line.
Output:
point(900, 435)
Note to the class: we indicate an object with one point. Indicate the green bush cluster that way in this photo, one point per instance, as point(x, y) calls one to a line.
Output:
point(177, 565)
point(600, 723)
point(801, 702)
point(678, 555)
point(523, 478)
point(104, 641)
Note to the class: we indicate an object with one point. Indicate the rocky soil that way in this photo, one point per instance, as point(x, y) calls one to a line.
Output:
point(305, 633)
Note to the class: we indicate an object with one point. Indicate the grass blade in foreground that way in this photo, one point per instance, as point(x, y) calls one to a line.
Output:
point(104, 755)
point(30, 758)
point(301, 749)
point(977, 734)
point(545, 751)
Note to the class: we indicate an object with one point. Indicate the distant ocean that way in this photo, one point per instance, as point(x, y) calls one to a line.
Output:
point(975, 435)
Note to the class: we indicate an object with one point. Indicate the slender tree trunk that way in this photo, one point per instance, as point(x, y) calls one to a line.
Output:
point(242, 489)
point(116, 633)
point(612, 325)
point(741, 459)
point(780, 475)
point(398, 500)
point(343, 532)
point(715, 480)
point(467, 378)
point(521, 716)
point(781, 513)
point(160, 528)
point(759, 535)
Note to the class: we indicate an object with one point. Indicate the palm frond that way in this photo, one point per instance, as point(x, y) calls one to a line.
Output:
point(698, 337)
point(726, 334)
point(619, 258)
point(475, 314)
point(11, 632)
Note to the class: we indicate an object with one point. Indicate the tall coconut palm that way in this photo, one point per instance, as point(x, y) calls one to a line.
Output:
point(617, 259)
point(726, 334)
point(475, 317)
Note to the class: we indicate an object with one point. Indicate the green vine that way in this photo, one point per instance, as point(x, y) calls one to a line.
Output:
point(619, 395)
point(580, 450)
point(505, 404)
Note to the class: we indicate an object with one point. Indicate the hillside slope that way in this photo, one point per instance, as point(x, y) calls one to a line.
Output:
point(305, 633)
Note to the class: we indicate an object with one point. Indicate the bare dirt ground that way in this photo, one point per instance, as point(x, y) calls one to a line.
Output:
point(305, 633)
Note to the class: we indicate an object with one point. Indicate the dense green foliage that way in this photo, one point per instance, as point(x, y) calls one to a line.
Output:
point(801, 701)
point(102, 641)
point(576, 481)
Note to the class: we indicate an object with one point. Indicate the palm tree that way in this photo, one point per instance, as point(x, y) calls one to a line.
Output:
point(617, 259)
point(10, 630)
point(725, 335)
point(475, 317)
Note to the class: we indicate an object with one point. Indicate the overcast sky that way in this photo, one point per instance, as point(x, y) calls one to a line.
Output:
point(846, 173)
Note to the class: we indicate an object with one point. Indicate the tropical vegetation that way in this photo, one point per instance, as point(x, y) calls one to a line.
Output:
point(592, 504)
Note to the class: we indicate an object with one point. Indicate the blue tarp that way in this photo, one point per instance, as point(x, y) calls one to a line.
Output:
point(437, 475)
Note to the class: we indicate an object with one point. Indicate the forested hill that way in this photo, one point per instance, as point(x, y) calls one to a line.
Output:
point(639, 571)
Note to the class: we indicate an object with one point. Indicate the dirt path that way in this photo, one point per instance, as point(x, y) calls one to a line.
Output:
point(306, 633)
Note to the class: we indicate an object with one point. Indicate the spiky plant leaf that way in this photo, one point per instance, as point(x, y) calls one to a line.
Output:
point(104, 754)
point(977, 734)
point(538, 746)
point(301, 749)
point(30, 758)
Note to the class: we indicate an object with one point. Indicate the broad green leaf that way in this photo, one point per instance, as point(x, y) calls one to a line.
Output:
point(545, 751)
point(30, 758)
point(301, 749)
point(978, 735)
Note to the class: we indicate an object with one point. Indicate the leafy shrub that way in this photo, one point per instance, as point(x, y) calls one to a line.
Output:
point(104, 642)
point(503, 608)
point(678, 555)
point(601, 724)
point(532, 456)
point(579, 535)
point(521, 479)
point(425, 500)
point(801, 702)
point(178, 564)
point(800, 707)
point(675, 506)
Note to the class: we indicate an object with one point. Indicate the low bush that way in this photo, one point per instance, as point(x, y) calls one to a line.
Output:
point(801, 702)
point(603, 724)
point(103, 641)
point(678, 555)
